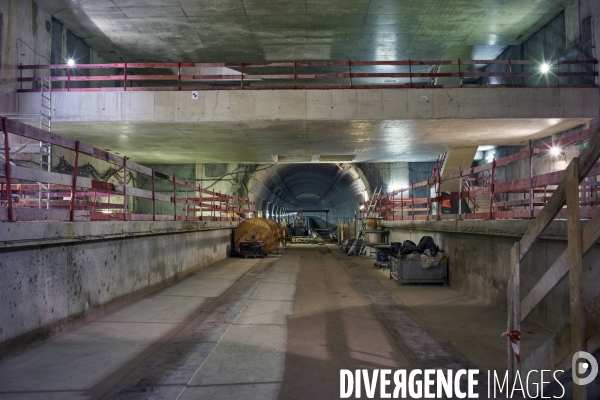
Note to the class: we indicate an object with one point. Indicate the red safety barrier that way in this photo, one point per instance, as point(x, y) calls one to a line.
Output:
point(306, 75)
point(30, 194)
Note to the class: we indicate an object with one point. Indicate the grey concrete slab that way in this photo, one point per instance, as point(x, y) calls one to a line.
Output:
point(58, 395)
point(165, 373)
point(261, 312)
point(170, 309)
point(258, 391)
point(281, 277)
point(80, 359)
point(246, 354)
point(198, 287)
point(275, 291)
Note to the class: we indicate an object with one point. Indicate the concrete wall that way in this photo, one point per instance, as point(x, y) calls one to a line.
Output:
point(29, 35)
point(55, 274)
point(569, 36)
point(479, 261)
point(25, 36)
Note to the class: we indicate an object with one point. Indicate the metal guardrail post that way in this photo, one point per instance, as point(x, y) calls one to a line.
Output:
point(531, 193)
point(412, 199)
point(74, 185)
point(402, 205)
point(125, 203)
point(460, 185)
point(153, 197)
point(8, 177)
point(174, 199)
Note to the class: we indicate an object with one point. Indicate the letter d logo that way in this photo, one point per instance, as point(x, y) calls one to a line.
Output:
point(580, 367)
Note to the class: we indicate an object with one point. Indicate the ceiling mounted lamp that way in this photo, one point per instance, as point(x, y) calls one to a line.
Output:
point(555, 151)
point(71, 63)
point(544, 68)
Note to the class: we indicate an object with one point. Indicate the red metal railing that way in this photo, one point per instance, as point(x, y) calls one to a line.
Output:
point(439, 165)
point(28, 194)
point(519, 198)
point(307, 75)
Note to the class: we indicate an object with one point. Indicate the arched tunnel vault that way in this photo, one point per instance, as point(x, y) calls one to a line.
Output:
point(296, 186)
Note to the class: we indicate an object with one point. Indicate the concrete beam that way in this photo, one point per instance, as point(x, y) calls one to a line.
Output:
point(343, 104)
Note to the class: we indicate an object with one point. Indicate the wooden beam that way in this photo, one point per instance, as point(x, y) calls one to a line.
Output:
point(514, 309)
point(36, 175)
point(586, 161)
point(558, 270)
point(575, 258)
point(32, 132)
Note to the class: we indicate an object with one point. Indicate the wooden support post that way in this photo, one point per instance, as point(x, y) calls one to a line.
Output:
point(7, 167)
point(174, 199)
point(560, 268)
point(125, 189)
point(575, 257)
point(125, 77)
point(153, 197)
point(514, 306)
point(68, 79)
point(179, 76)
point(586, 160)
point(242, 76)
point(531, 194)
point(74, 184)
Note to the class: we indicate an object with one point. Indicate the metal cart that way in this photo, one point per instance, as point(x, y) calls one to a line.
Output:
point(411, 271)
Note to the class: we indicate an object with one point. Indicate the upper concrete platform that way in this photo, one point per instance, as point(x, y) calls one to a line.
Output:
point(341, 104)
point(260, 126)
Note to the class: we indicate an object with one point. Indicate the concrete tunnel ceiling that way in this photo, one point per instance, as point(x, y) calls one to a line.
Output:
point(259, 30)
point(306, 186)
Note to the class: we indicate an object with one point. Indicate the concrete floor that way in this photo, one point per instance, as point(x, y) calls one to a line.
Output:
point(275, 328)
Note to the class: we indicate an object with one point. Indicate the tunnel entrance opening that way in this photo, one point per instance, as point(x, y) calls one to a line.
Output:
point(281, 190)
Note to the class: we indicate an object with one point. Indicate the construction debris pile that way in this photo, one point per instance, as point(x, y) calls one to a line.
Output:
point(427, 251)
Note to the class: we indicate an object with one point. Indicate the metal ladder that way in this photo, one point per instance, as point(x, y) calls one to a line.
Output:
point(45, 124)
point(357, 246)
